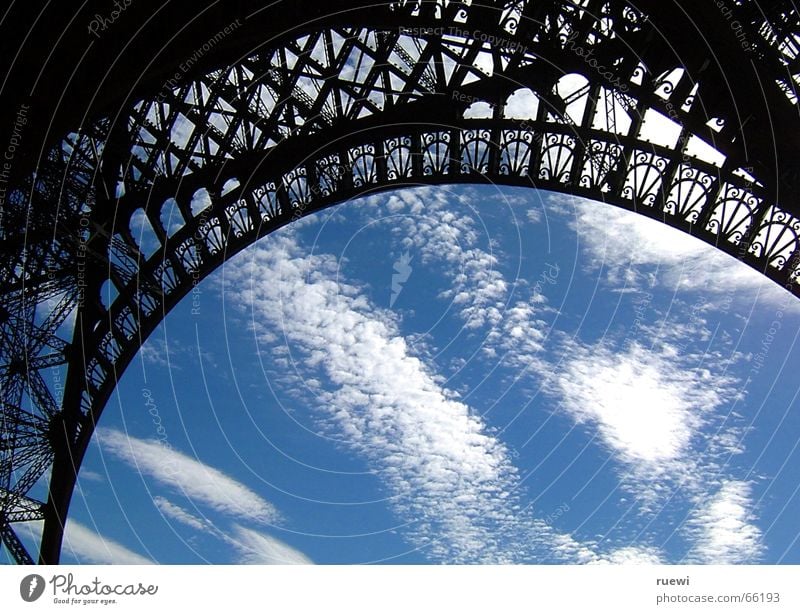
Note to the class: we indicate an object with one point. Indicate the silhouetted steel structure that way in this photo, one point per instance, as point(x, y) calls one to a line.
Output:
point(145, 147)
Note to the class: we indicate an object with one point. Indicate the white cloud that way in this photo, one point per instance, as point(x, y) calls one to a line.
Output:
point(450, 479)
point(648, 405)
point(656, 409)
point(444, 470)
point(85, 545)
point(256, 548)
point(521, 335)
point(190, 477)
point(632, 555)
point(646, 408)
point(155, 351)
point(251, 546)
point(176, 512)
point(624, 242)
point(534, 216)
point(92, 476)
point(90, 547)
point(722, 529)
point(445, 232)
point(434, 227)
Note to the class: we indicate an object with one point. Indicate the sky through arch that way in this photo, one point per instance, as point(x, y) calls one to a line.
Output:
point(456, 374)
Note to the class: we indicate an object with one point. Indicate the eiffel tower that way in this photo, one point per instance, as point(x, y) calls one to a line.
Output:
point(241, 117)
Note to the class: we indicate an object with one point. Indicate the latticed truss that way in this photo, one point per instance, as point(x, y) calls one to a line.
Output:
point(128, 212)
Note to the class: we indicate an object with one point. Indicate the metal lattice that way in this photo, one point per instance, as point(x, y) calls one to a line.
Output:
point(87, 251)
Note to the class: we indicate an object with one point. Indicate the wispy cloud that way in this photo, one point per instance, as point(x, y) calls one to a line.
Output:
point(249, 545)
point(92, 476)
point(86, 545)
point(657, 410)
point(156, 351)
point(446, 230)
point(446, 473)
point(89, 546)
point(450, 479)
point(722, 529)
point(197, 481)
point(256, 548)
point(661, 409)
point(511, 312)
point(633, 555)
point(635, 250)
point(432, 228)
point(176, 512)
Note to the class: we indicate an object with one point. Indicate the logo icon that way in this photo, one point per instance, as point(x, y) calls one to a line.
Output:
point(31, 587)
point(402, 268)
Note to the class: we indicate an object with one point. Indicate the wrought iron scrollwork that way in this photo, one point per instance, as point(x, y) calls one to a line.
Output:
point(392, 105)
point(398, 157)
point(435, 153)
point(733, 213)
point(557, 154)
point(475, 147)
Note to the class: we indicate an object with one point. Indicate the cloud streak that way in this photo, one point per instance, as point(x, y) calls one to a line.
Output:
point(658, 409)
point(177, 513)
point(634, 249)
point(722, 528)
point(256, 548)
point(450, 479)
point(90, 547)
point(86, 545)
point(251, 546)
point(187, 476)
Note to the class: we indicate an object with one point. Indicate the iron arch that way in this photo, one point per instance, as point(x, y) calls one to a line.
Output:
point(574, 97)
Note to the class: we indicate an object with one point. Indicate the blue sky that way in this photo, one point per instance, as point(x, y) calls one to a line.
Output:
point(457, 374)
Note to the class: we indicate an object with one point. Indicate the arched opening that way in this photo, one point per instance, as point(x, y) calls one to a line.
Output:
point(194, 172)
point(499, 345)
